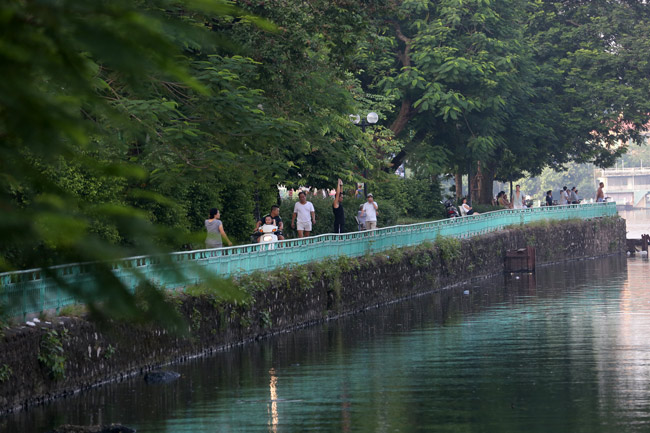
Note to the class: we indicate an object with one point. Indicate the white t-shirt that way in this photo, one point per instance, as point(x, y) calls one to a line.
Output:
point(371, 213)
point(304, 211)
point(564, 197)
point(516, 200)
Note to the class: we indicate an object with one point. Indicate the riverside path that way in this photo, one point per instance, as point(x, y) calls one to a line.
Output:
point(36, 290)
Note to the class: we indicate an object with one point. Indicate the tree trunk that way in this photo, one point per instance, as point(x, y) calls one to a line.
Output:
point(406, 111)
point(474, 185)
point(458, 177)
point(486, 182)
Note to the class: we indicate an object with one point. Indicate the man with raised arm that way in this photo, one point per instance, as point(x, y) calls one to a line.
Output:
point(337, 208)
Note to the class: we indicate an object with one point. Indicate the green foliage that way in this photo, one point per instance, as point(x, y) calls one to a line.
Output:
point(265, 319)
point(395, 255)
point(110, 113)
point(219, 289)
point(253, 282)
point(449, 248)
point(122, 123)
point(412, 197)
point(195, 319)
point(109, 352)
point(421, 258)
point(5, 373)
point(51, 354)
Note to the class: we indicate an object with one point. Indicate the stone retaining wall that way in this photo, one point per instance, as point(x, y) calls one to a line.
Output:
point(281, 301)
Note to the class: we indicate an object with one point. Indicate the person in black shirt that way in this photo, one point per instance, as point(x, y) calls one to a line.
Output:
point(549, 198)
point(275, 214)
point(337, 208)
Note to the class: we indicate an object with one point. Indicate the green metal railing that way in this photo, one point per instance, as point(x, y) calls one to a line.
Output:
point(36, 290)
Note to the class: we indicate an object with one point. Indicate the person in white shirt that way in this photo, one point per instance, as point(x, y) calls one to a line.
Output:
point(369, 210)
point(467, 209)
point(306, 214)
point(564, 196)
point(518, 198)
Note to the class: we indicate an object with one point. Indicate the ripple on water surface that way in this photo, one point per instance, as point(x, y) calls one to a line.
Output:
point(564, 351)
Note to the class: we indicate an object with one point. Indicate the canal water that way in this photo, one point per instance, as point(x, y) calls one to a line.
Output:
point(566, 350)
point(637, 222)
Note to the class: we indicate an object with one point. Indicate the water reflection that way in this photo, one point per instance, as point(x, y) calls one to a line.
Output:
point(562, 350)
point(637, 222)
point(273, 404)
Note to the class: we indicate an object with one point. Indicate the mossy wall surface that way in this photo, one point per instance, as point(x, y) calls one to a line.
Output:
point(281, 301)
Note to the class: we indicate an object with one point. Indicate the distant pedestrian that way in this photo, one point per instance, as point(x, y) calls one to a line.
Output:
point(306, 214)
point(214, 227)
point(549, 198)
point(564, 196)
point(600, 194)
point(518, 200)
point(370, 212)
point(573, 196)
point(359, 192)
point(361, 218)
point(337, 208)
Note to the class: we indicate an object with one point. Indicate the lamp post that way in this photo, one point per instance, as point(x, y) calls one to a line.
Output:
point(370, 119)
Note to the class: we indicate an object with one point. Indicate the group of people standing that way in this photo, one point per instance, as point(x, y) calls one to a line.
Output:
point(567, 196)
point(302, 220)
point(570, 196)
point(304, 213)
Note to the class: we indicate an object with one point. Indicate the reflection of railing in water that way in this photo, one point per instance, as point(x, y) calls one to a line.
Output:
point(33, 290)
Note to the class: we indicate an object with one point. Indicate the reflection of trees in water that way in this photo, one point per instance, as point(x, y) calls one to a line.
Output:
point(623, 362)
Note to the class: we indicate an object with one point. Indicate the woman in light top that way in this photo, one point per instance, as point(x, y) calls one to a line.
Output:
point(214, 227)
point(467, 208)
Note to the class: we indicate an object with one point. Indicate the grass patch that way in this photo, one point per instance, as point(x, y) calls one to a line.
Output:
point(73, 310)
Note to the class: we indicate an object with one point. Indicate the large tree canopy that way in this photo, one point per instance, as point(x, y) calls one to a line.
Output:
point(122, 122)
point(518, 86)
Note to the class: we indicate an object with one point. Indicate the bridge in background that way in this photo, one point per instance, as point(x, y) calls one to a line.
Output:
point(627, 186)
point(36, 290)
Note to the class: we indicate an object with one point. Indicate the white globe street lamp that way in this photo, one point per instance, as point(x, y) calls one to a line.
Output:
point(370, 119)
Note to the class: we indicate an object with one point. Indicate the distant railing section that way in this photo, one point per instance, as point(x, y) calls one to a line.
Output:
point(37, 290)
point(631, 171)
